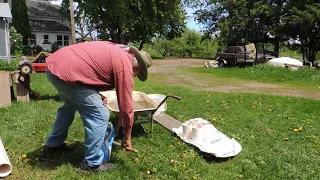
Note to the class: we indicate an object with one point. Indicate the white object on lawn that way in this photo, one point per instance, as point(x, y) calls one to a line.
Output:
point(5, 165)
point(186, 129)
point(159, 98)
point(285, 61)
point(212, 141)
point(196, 133)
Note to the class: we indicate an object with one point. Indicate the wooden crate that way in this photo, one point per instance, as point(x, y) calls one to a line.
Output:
point(5, 93)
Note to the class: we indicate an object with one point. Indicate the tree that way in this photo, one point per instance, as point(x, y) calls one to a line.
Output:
point(303, 20)
point(243, 21)
point(226, 19)
point(191, 44)
point(15, 42)
point(20, 19)
point(133, 21)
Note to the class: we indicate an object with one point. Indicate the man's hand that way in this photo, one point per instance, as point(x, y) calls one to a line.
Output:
point(104, 100)
point(126, 142)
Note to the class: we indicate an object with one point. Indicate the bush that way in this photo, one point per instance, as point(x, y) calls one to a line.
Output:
point(26, 50)
point(16, 42)
point(54, 47)
point(37, 49)
point(9, 66)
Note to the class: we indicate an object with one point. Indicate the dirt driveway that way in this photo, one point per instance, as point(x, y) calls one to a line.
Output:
point(167, 71)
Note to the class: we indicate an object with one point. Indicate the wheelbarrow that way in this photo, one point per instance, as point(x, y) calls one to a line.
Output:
point(143, 106)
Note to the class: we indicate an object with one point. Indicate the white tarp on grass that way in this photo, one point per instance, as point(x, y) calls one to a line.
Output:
point(213, 141)
point(285, 61)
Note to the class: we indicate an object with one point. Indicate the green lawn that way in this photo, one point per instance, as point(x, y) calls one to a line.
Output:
point(303, 78)
point(279, 136)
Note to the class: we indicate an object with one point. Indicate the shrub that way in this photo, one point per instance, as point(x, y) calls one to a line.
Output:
point(54, 47)
point(16, 42)
point(9, 66)
point(37, 49)
point(26, 50)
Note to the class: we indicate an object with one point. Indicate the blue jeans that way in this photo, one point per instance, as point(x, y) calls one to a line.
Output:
point(95, 118)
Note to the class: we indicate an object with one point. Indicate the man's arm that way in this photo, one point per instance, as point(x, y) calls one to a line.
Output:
point(124, 88)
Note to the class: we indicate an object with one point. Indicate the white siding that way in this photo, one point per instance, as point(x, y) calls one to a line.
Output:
point(52, 39)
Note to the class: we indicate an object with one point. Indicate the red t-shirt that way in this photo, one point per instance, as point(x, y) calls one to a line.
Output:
point(101, 65)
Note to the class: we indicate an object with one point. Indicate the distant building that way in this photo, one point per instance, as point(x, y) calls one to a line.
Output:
point(5, 19)
point(47, 25)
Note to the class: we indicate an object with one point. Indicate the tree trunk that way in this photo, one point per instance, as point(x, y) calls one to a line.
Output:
point(276, 44)
point(303, 53)
point(141, 45)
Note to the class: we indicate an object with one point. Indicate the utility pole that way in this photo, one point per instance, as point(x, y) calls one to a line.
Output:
point(73, 32)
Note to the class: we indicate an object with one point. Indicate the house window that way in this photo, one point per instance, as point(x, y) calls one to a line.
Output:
point(229, 50)
point(32, 39)
point(66, 40)
point(240, 49)
point(62, 40)
point(59, 40)
point(46, 39)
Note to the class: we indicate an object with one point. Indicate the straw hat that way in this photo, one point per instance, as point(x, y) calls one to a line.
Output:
point(144, 61)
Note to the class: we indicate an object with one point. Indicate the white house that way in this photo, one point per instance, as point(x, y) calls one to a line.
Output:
point(47, 25)
point(5, 19)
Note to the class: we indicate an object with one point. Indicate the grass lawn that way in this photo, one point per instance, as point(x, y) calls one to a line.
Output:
point(279, 135)
point(303, 79)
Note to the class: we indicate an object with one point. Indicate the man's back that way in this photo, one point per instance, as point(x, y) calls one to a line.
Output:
point(91, 63)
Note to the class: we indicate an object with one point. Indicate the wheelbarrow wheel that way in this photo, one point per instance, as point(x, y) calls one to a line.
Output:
point(25, 69)
point(221, 64)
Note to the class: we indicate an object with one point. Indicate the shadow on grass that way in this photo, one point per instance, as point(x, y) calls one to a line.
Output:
point(40, 159)
point(73, 156)
point(44, 97)
point(137, 131)
point(209, 158)
point(49, 161)
point(47, 97)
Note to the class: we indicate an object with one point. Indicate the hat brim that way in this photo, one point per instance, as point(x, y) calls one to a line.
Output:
point(143, 70)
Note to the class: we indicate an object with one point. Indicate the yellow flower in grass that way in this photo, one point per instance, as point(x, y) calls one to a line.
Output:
point(184, 155)
point(194, 177)
point(300, 128)
point(296, 129)
point(23, 156)
point(270, 110)
point(184, 165)
point(148, 172)
point(286, 139)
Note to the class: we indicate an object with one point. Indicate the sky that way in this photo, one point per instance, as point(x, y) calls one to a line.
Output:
point(191, 24)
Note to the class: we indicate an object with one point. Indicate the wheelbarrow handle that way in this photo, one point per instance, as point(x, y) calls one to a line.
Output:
point(174, 96)
point(126, 148)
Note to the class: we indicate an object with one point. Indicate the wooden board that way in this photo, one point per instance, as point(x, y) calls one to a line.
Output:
point(5, 93)
point(167, 121)
point(23, 92)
